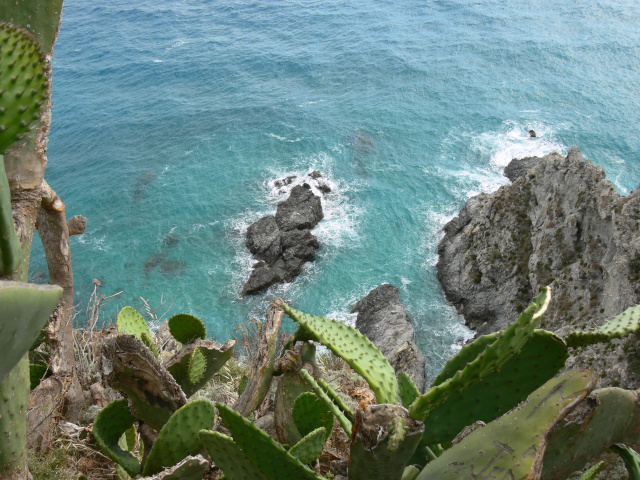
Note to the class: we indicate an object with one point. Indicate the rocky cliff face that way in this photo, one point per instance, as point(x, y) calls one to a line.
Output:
point(383, 319)
point(560, 223)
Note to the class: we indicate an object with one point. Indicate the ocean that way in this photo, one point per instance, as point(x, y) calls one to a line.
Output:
point(172, 119)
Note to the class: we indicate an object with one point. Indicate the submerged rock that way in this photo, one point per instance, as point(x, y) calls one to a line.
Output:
point(383, 319)
point(284, 242)
point(171, 240)
point(153, 261)
point(172, 267)
point(562, 224)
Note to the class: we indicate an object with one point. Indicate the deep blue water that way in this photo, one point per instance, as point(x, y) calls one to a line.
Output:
point(176, 116)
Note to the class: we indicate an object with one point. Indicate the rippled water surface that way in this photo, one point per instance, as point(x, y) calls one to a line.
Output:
point(173, 118)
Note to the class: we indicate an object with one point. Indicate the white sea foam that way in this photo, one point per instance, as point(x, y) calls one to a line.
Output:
point(283, 139)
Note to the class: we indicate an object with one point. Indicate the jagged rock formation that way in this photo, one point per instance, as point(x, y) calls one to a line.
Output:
point(284, 242)
point(383, 319)
point(562, 223)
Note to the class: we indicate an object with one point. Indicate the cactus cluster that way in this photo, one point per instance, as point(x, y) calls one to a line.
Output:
point(156, 394)
point(497, 409)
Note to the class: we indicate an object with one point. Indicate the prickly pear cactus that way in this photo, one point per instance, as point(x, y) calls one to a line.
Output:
point(25, 311)
point(186, 328)
point(23, 83)
point(132, 323)
point(310, 413)
point(607, 416)
point(540, 359)
point(355, 349)
point(191, 468)
point(268, 455)
point(492, 359)
point(229, 457)
point(408, 389)
point(344, 421)
point(309, 448)
point(620, 326)
point(40, 19)
point(110, 424)
point(191, 374)
point(631, 459)
point(10, 248)
point(513, 446)
point(179, 436)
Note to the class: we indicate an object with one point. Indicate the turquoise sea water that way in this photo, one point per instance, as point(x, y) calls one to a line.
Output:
point(176, 116)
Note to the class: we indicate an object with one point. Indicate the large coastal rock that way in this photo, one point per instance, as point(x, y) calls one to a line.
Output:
point(284, 242)
point(562, 223)
point(383, 319)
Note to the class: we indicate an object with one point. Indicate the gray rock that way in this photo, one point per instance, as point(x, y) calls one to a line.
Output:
point(383, 319)
point(264, 239)
point(284, 243)
point(302, 210)
point(519, 166)
point(564, 225)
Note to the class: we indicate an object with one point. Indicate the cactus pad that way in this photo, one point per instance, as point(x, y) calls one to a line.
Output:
point(229, 457)
point(40, 19)
point(310, 447)
point(214, 358)
point(607, 416)
point(408, 389)
point(344, 421)
point(197, 366)
point(25, 311)
point(23, 83)
point(620, 326)
point(355, 349)
point(310, 413)
point(110, 424)
point(492, 358)
point(513, 446)
point(186, 328)
point(271, 457)
point(10, 247)
point(132, 323)
point(540, 359)
point(179, 436)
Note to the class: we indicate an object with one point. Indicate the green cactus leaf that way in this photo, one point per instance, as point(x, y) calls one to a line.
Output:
point(132, 323)
point(493, 357)
point(631, 459)
point(408, 389)
point(513, 446)
point(623, 325)
point(593, 471)
point(345, 423)
point(355, 349)
point(410, 473)
point(214, 358)
point(187, 328)
point(270, 457)
point(310, 447)
point(110, 424)
point(197, 366)
point(25, 311)
point(179, 436)
point(128, 439)
point(229, 457)
point(608, 416)
point(336, 399)
point(310, 413)
point(14, 399)
point(539, 360)
point(41, 19)
point(10, 247)
point(23, 83)
point(37, 372)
